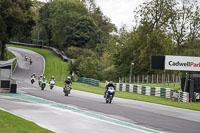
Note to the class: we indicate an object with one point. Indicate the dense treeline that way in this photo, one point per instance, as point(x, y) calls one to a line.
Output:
point(84, 33)
point(15, 21)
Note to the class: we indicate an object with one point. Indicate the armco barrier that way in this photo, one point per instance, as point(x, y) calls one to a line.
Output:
point(88, 81)
point(154, 91)
point(56, 51)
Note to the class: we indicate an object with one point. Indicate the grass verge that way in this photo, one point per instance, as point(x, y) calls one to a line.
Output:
point(100, 90)
point(10, 123)
point(10, 55)
point(175, 86)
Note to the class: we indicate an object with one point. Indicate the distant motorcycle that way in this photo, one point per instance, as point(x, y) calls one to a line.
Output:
point(109, 94)
point(39, 81)
point(26, 58)
point(67, 90)
point(43, 84)
point(51, 84)
point(31, 62)
point(32, 80)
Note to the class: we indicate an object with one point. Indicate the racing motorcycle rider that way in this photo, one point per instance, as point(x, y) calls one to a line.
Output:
point(109, 84)
point(33, 75)
point(68, 81)
point(52, 78)
point(40, 79)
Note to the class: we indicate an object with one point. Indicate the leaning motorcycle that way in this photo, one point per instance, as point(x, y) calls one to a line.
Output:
point(109, 94)
point(32, 80)
point(39, 81)
point(43, 84)
point(51, 84)
point(67, 90)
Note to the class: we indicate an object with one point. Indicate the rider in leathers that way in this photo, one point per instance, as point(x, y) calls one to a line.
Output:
point(110, 84)
point(68, 81)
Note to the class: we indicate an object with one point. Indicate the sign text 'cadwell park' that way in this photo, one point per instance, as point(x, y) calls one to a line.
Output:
point(182, 63)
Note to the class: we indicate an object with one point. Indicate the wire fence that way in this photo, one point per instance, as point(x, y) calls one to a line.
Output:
point(154, 78)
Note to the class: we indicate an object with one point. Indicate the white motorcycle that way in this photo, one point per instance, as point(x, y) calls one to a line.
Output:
point(32, 80)
point(51, 84)
point(109, 94)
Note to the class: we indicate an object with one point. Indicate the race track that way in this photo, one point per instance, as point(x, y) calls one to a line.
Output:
point(86, 112)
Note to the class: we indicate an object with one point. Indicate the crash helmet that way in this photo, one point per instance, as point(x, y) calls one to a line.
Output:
point(110, 82)
point(34, 74)
point(43, 77)
point(52, 77)
point(68, 78)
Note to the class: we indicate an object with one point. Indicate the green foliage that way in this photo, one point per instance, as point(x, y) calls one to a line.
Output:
point(83, 34)
point(109, 73)
point(103, 22)
point(64, 13)
point(87, 67)
point(137, 47)
point(180, 19)
point(15, 21)
point(75, 52)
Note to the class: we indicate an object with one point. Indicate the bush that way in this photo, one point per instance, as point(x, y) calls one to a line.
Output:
point(75, 52)
point(110, 73)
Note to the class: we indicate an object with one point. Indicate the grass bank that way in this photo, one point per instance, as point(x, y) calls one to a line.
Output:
point(100, 90)
point(10, 55)
point(13, 124)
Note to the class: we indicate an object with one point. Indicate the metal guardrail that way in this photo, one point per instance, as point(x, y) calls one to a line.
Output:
point(59, 53)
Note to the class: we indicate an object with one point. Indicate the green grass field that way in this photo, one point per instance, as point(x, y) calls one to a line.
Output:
point(100, 90)
point(13, 124)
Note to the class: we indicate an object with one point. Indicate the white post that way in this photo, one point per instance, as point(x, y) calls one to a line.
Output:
point(147, 79)
point(132, 64)
point(157, 78)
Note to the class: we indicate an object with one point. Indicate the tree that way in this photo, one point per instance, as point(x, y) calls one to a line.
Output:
point(87, 67)
point(44, 23)
point(83, 34)
point(103, 23)
point(137, 47)
point(64, 13)
point(178, 19)
point(185, 22)
point(15, 19)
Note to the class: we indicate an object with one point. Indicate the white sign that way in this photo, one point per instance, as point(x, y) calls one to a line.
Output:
point(183, 63)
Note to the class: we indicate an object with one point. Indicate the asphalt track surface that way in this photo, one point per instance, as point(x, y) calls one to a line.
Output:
point(159, 118)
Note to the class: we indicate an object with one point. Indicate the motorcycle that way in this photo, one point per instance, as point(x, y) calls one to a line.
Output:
point(31, 62)
point(39, 81)
point(32, 80)
point(67, 90)
point(43, 84)
point(109, 94)
point(51, 84)
point(26, 58)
